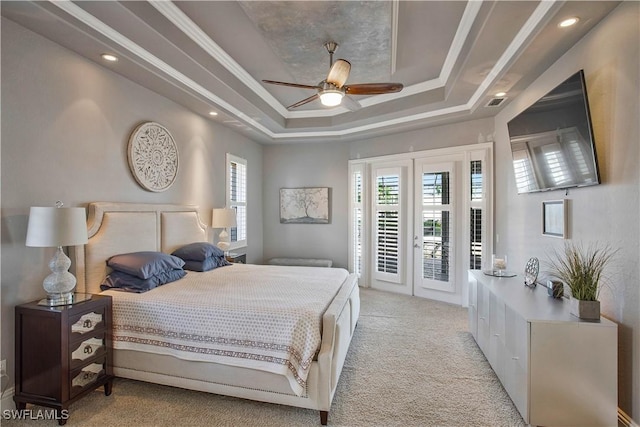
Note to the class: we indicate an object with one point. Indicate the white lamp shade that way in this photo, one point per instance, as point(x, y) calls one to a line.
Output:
point(51, 227)
point(223, 218)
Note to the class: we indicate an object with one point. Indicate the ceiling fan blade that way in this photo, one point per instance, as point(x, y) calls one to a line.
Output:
point(350, 103)
point(339, 73)
point(373, 88)
point(304, 101)
point(290, 84)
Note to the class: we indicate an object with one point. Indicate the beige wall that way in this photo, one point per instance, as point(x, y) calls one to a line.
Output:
point(610, 212)
point(65, 127)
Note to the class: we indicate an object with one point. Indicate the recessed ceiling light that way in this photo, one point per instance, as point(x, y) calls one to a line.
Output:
point(109, 57)
point(569, 22)
point(213, 113)
point(500, 94)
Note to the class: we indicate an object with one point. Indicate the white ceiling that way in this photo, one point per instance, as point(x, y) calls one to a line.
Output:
point(451, 56)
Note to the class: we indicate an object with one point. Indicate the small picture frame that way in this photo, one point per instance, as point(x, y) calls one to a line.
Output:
point(554, 218)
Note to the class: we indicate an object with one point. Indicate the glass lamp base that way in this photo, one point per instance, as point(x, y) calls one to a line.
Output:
point(68, 298)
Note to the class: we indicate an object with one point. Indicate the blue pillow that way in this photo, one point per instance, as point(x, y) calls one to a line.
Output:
point(206, 265)
point(127, 282)
point(144, 264)
point(198, 251)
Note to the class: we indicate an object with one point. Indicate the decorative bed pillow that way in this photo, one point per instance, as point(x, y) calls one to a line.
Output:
point(130, 283)
point(198, 251)
point(206, 265)
point(144, 264)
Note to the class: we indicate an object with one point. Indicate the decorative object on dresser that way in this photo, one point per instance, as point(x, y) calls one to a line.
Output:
point(57, 227)
point(558, 370)
point(62, 353)
point(153, 157)
point(554, 218)
point(555, 289)
point(223, 218)
point(531, 270)
point(581, 268)
point(499, 267)
point(304, 205)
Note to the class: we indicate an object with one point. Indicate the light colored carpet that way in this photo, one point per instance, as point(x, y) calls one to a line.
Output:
point(412, 362)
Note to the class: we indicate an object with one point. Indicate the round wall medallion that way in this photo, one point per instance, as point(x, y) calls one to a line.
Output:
point(153, 157)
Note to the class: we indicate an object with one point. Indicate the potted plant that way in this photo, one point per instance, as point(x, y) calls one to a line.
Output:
point(581, 270)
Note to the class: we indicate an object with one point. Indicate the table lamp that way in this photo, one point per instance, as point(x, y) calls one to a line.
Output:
point(223, 218)
point(57, 227)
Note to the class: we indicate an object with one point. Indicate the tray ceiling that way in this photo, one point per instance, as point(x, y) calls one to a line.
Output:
point(451, 56)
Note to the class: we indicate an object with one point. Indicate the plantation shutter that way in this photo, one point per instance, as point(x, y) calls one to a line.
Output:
point(388, 239)
point(237, 198)
point(476, 202)
point(357, 238)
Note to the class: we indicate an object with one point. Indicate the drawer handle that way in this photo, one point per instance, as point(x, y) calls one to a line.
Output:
point(515, 358)
point(481, 318)
point(88, 349)
point(87, 323)
point(496, 335)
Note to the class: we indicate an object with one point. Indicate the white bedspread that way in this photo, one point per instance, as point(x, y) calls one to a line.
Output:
point(261, 317)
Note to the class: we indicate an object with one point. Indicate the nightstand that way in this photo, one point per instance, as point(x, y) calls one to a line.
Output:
point(62, 353)
point(237, 258)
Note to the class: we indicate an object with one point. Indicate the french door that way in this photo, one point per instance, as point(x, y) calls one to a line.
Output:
point(434, 227)
point(418, 222)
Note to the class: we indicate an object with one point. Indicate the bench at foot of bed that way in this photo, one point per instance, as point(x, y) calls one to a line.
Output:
point(301, 262)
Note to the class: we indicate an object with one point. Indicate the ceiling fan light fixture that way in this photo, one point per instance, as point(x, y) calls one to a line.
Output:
point(331, 97)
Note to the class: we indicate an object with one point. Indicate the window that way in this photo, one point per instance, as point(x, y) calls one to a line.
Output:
point(237, 198)
point(476, 198)
point(437, 223)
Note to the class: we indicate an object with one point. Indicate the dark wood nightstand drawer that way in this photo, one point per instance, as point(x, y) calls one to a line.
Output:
point(87, 322)
point(91, 348)
point(86, 377)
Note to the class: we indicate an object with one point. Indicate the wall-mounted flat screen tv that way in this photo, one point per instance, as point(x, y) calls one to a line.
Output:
point(552, 141)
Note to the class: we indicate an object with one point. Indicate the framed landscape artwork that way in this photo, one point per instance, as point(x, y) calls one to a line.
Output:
point(309, 205)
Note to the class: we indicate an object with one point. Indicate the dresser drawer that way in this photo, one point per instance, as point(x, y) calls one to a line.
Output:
point(91, 347)
point(86, 377)
point(87, 322)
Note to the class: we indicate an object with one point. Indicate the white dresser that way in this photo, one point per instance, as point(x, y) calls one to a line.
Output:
point(557, 369)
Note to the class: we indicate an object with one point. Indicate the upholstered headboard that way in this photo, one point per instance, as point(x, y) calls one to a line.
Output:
point(116, 228)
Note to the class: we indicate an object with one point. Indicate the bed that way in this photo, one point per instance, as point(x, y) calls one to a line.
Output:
point(308, 380)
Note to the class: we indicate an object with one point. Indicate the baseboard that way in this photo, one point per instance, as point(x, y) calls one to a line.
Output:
point(7, 399)
point(625, 420)
point(6, 402)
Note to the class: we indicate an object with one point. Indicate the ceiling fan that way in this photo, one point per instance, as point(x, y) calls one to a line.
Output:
point(333, 89)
